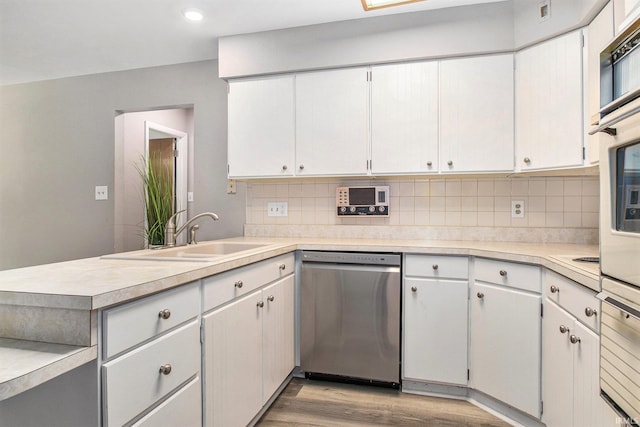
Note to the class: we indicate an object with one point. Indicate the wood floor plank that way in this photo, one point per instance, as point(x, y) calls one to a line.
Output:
point(319, 403)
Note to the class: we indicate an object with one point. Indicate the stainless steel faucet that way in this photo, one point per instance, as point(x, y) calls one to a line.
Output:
point(170, 232)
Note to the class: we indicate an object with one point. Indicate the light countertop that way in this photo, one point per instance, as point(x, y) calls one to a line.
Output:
point(88, 285)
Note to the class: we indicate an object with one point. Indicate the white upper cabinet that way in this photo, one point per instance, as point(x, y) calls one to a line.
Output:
point(549, 104)
point(404, 118)
point(261, 125)
point(476, 114)
point(332, 122)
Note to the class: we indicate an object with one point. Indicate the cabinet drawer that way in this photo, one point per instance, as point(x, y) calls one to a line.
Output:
point(226, 286)
point(581, 302)
point(437, 266)
point(133, 323)
point(182, 409)
point(520, 276)
point(137, 373)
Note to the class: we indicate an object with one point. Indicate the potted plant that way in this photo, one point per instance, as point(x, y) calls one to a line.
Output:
point(157, 181)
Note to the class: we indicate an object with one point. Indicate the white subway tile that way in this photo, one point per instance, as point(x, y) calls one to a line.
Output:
point(590, 219)
point(437, 204)
point(469, 187)
point(485, 219)
point(590, 203)
point(520, 222)
point(554, 219)
point(590, 186)
point(485, 204)
point(554, 204)
point(537, 219)
point(437, 218)
point(469, 219)
point(421, 218)
point(537, 187)
point(452, 218)
point(407, 204)
point(421, 188)
point(406, 189)
point(453, 188)
point(295, 190)
point(502, 187)
point(406, 218)
point(520, 187)
point(502, 204)
point(572, 186)
point(421, 203)
point(572, 204)
point(453, 204)
point(469, 204)
point(322, 190)
point(555, 187)
point(537, 204)
point(282, 191)
point(485, 187)
point(572, 220)
point(502, 219)
point(437, 188)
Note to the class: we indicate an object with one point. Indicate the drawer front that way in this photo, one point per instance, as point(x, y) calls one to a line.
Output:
point(137, 373)
point(520, 276)
point(130, 324)
point(224, 287)
point(437, 266)
point(182, 409)
point(581, 302)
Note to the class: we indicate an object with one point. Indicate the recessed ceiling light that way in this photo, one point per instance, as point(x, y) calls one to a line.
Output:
point(193, 14)
point(378, 4)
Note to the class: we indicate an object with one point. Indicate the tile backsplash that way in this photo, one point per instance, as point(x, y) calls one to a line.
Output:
point(461, 203)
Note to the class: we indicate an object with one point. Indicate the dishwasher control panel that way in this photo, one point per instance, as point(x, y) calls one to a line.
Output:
point(362, 201)
point(351, 258)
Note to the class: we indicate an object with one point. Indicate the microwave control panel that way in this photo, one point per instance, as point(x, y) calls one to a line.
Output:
point(362, 201)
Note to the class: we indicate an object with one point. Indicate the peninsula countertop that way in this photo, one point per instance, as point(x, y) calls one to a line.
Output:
point(86, 286)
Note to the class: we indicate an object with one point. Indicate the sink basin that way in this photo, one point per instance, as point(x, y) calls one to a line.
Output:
point(203, 252)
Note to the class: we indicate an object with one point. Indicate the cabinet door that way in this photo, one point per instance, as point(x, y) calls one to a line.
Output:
point(277, 335)
point(587, 403)
point(233, 362)
point(600, 33)
point(404, 118)
point(476, 114)
point(549, 129)
point(261, 127)
point(557, 366)
point(332, 122)
point(505, 345)
point(433, 352)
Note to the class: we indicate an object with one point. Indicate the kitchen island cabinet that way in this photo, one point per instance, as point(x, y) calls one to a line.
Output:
point(476, 114)
point(549, 104)
point(435, 290)
point(505, 324)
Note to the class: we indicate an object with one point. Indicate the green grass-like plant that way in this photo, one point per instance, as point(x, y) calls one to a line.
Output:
point(157, 181)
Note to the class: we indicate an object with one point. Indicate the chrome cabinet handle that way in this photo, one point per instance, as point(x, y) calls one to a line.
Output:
point(434, 266)
point(414, 289)
point(554, 289)
point(271, 298)
point(527, 160)
point(282, 267)
point(165, 369)
point(574, 339)
point(590, 312)
point(503, 273)
point(164, 314)
point(480, 295)
point(238, 284)
point(260, 304)
point(563, 329)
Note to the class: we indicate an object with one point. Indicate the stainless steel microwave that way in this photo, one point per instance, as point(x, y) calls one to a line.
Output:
point(362, 201)
point(620, 70)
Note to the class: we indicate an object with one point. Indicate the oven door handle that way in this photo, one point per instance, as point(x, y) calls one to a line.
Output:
point(606, 126)
point(626, 309)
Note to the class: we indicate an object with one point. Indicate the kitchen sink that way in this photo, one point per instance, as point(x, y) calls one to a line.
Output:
point(203, 252)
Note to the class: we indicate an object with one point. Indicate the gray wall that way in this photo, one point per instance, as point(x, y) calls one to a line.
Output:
point(57, 144)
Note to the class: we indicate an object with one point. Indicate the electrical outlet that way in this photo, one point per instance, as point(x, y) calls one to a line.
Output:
point(277, 208)
point(517, 209)
point(231, 186)
point(102, 192)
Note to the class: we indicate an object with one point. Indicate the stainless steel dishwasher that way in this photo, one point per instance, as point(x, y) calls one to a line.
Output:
point(350, 316)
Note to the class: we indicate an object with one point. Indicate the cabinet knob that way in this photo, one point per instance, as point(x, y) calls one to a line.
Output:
point(480, 295)
point(238, 284)
point(574, 339)
point(554, 289)
point(563, 329)
point(164, 314)
point(527, 160)
point(414, 289)
point(434, 266)
point(165, 369)
point(590, 312)
point(260, 304)
point(301, 167)
point(282, 267)
point(284, 167)
point(503, 273)
point(450, 162)
point(429, 163)
point(271, 298)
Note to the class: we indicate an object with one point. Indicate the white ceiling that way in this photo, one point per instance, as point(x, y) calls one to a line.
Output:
point(47, 39)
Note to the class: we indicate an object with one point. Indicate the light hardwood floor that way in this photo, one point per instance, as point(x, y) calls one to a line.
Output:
point(318, 403)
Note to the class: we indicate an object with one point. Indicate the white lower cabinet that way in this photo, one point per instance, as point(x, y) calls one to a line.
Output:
point(505, 323)
point(184, 408)
point(248, 353)
point(435, 319)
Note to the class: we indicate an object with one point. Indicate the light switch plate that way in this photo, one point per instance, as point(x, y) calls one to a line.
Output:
point(277, 208)
point(102, 192)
